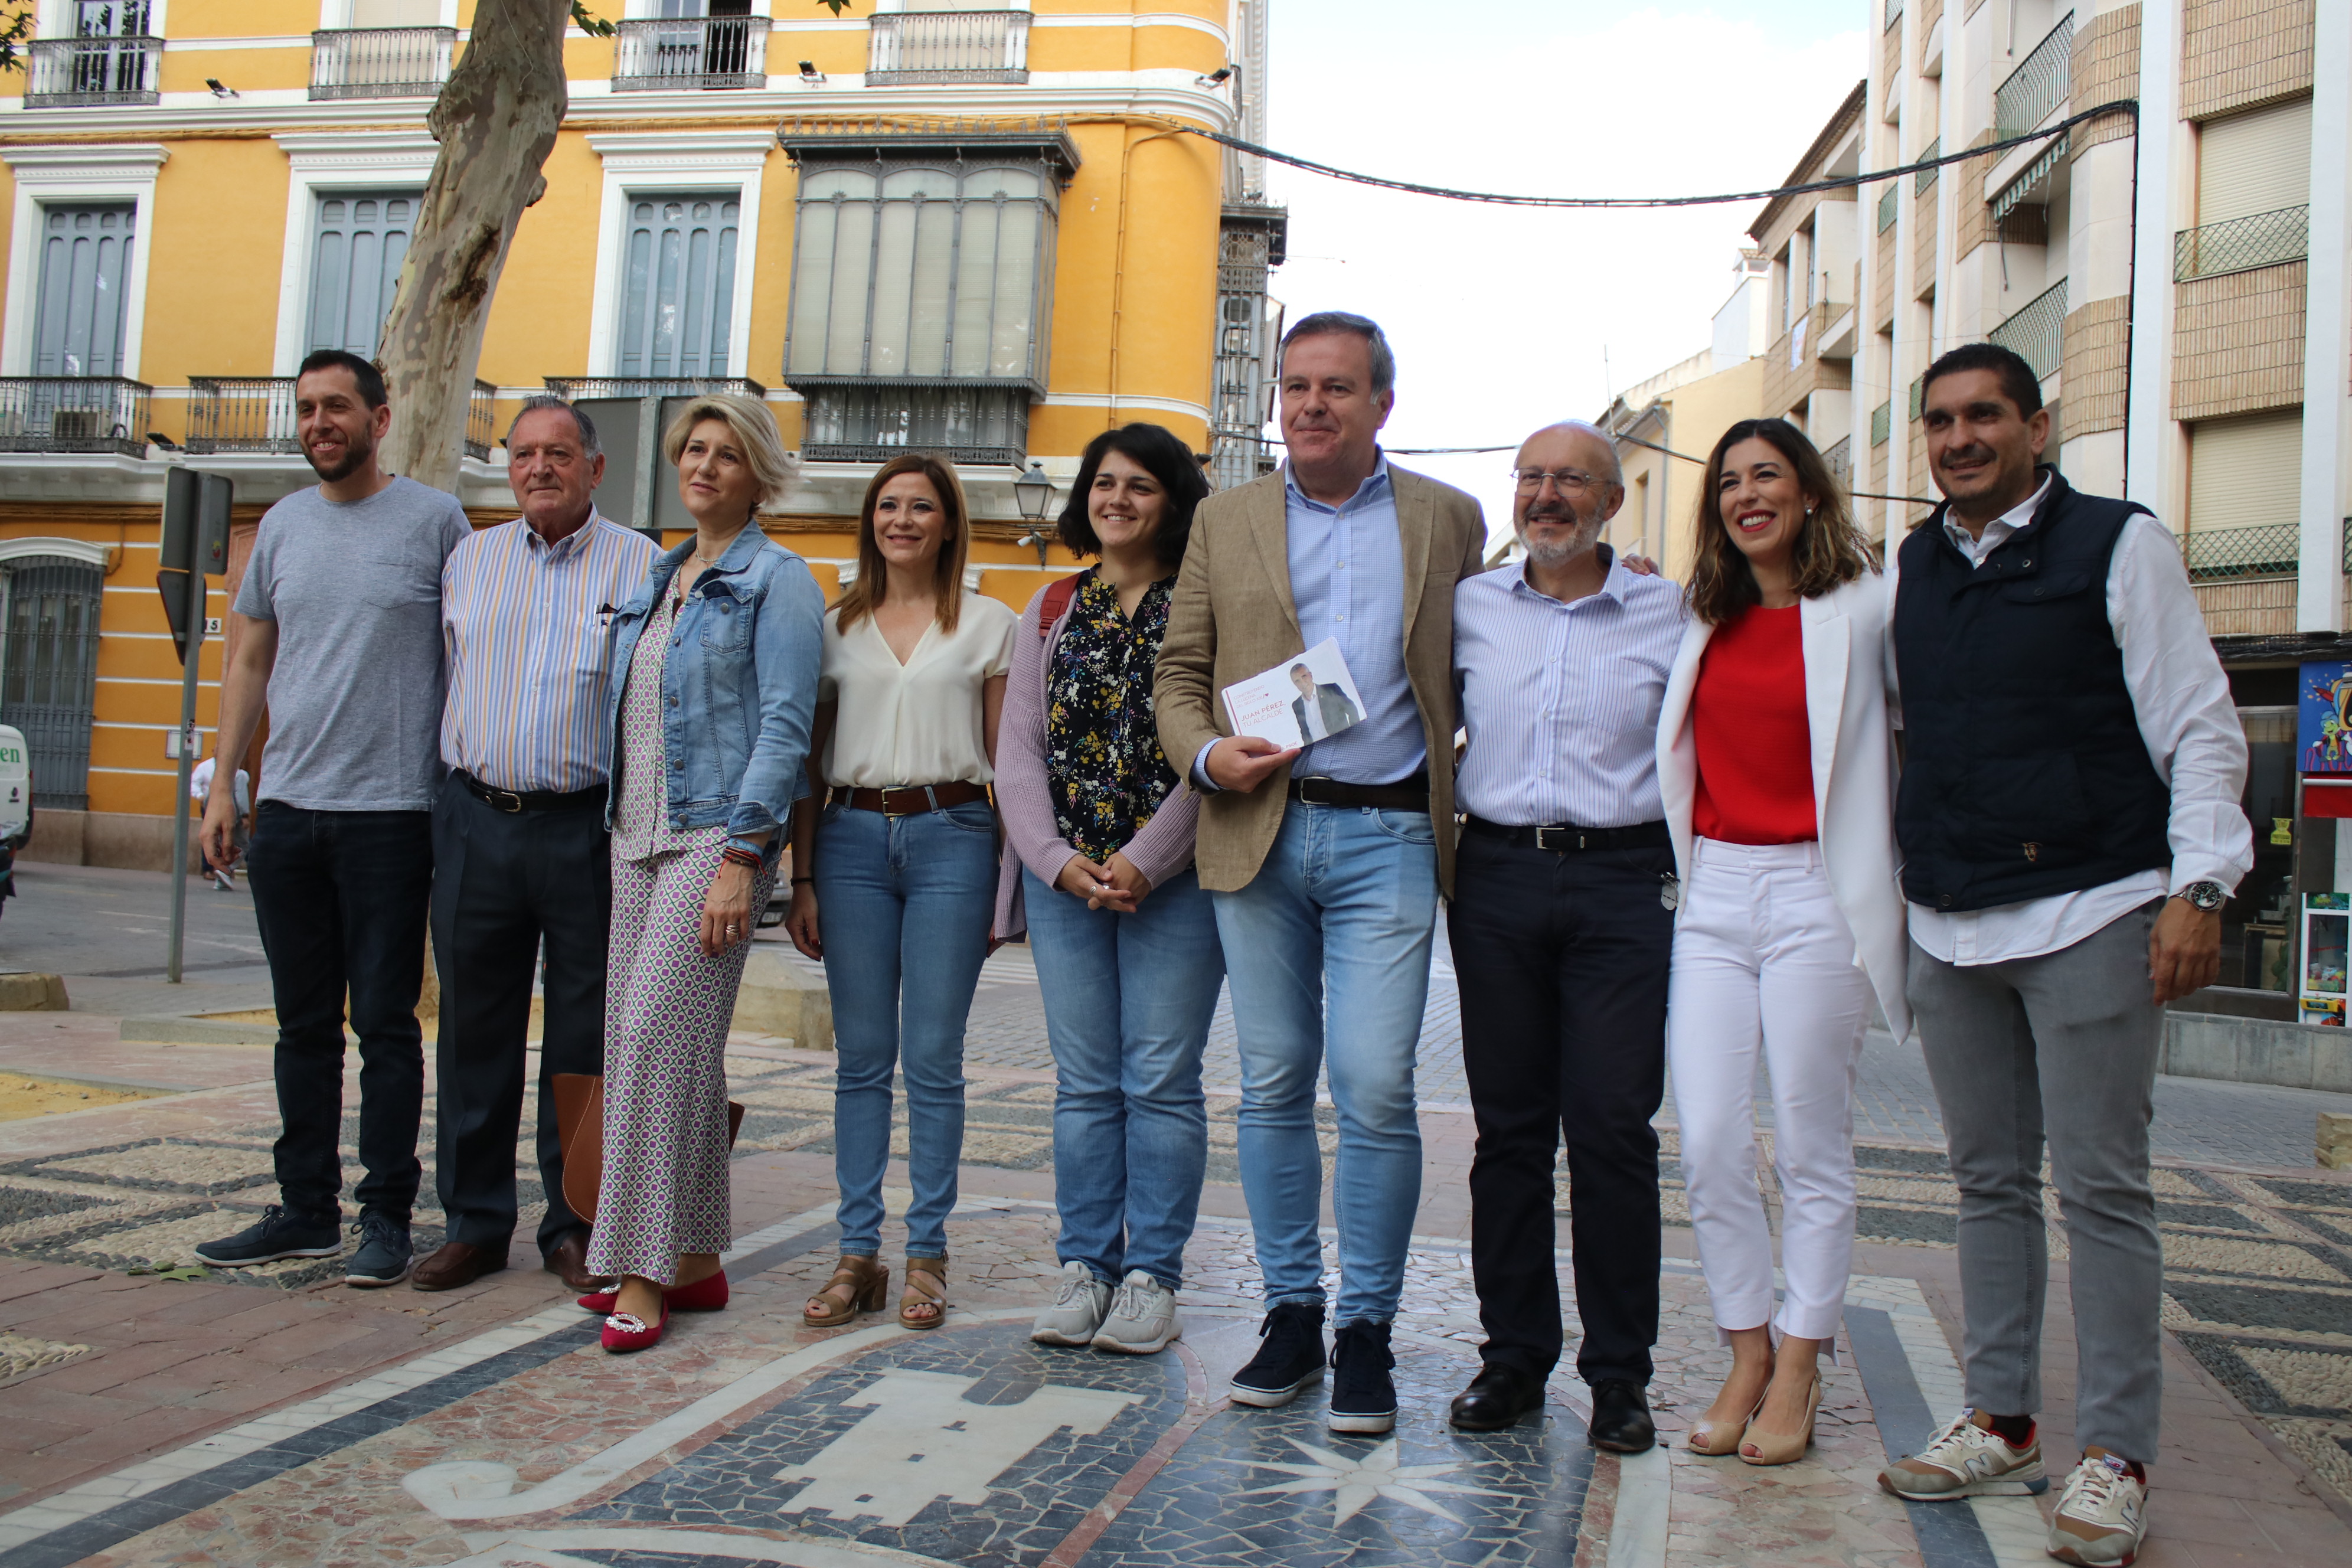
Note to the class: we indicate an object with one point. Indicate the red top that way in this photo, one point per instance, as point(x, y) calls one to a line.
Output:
point(1755, 748)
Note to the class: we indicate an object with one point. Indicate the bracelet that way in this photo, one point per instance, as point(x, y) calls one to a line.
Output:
point(735, 857)
point(798, 881)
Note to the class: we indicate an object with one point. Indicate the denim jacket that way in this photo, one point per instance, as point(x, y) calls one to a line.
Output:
point(739, 690)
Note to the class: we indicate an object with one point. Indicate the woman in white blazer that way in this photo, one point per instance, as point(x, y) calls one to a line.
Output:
point(1776, 760)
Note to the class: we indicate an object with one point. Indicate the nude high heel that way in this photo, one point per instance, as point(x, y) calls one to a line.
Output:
point(1782, 1447)
point(1716, 1438)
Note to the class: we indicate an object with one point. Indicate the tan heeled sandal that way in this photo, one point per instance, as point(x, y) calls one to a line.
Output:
point(927, 1289)
point(1782, 1447)
point(866, 1281)
point(1716, 1438)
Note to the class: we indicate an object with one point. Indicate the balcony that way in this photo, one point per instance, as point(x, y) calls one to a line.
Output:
point(2229, 554)
point(1894, 12)
point(1840, 458)
point(2038, 85)
point(74, 413)
point(255, 413)
point(380, 62)
point(67, 73)
point(2037, 331)
point(2240, 245)
point(582, 389)
point(1882, 423)
point(871, 423)
point(1924, 180)
point(690, 54)
point(909, 49)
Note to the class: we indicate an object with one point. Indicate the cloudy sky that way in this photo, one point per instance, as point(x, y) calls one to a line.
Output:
point(1500, 316)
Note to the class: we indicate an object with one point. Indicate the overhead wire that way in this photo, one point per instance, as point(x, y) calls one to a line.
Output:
point(2129, 106)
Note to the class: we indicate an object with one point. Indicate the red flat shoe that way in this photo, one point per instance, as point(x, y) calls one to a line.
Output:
point(709, 1294)
point(625, 1331)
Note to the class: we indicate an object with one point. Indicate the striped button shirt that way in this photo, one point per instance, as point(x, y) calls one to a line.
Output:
point(1561, 700)
point(527, 628)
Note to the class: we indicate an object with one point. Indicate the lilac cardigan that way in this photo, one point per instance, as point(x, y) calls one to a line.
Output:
point(1160, 848)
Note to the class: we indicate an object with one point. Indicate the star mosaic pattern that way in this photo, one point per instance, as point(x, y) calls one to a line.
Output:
point(1357, 1480)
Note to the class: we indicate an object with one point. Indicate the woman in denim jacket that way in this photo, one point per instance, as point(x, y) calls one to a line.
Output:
point(714, 686)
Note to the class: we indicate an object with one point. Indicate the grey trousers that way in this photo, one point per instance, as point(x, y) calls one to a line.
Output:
point(2065, 1044)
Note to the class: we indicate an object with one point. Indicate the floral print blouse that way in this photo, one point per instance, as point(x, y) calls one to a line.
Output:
point(1103, 764)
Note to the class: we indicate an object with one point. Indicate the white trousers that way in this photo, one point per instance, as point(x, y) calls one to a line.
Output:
point(1762, 956)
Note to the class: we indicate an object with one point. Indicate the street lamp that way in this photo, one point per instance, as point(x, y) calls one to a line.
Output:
point(1035, 492)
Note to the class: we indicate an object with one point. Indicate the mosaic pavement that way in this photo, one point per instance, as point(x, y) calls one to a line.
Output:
point(2259, 1291)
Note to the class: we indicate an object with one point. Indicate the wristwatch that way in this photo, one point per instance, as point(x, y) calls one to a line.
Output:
point(2203, 896)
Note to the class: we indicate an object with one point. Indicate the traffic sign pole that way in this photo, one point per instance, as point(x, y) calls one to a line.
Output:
point(194, 547)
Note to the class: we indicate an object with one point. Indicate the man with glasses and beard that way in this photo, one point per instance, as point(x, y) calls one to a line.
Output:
point(1560, 924)
point(337, 629)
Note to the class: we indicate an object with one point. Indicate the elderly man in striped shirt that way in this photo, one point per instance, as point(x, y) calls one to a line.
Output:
point(519, 842)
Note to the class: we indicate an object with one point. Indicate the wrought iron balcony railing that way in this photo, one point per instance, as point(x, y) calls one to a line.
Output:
point(255, 413)
point(1839, 458)
point(74, 413)
point(1882, 423)
point(2039, 84)
point(578, 388)
point(2225, 554)
point(2243, 244)
point(2037, 330)
point(685, 54)
point(871, 423)
point(1894, 12)
point(1886, 206)
point(1924, 180)
point(380, 62)
point(65, 73)
point(241, 414)
point(912, 48)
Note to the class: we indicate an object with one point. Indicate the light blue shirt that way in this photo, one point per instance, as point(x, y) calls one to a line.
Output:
point(1561, 700)
point(1347, 582)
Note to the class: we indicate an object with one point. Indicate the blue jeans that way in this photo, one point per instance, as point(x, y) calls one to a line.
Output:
point(1127, 1003)
point(1327, 953)
point(902, 899)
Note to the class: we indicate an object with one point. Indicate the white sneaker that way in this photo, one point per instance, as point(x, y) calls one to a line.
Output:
point(1142, 1317)
point(1966, 1461)
point(1077, 1309)
point(2101, 1515)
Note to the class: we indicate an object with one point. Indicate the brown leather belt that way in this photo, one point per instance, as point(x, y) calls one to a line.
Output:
point(912, 799)
point(1406, 795)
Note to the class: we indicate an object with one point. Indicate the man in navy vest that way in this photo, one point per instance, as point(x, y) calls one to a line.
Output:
point(2070, 823)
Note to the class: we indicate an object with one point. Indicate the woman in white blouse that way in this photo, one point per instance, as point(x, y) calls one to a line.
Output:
point(901, 864)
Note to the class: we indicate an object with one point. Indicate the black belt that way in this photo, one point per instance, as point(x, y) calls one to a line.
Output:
point(513, 800)
point(1406, 794)
point(1640, 836)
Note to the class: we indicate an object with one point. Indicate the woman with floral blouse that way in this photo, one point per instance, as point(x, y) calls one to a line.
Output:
point(1098, 866)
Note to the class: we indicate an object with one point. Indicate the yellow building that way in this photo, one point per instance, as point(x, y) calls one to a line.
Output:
point(967, 227)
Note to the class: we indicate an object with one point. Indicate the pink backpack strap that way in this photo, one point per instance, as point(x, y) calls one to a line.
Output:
point(1058, 596)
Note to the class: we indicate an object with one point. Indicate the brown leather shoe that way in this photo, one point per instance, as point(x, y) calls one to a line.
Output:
point(568, 1261)
point(457, 1264)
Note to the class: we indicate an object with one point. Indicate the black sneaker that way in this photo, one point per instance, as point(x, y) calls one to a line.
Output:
point(1363, 1396)
point(384, 1254)
point(1290, 1359)
point(277, 1234)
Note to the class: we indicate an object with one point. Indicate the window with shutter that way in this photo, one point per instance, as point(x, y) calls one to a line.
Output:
point(2257, 161)
point(679, 303)
point(83, 303)
point(2245, 472)
point(355, 260)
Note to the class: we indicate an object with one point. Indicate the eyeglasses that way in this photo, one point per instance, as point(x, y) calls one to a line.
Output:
point(1566, 481)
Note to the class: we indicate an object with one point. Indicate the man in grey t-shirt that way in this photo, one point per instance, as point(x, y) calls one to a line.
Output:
point(338, 632)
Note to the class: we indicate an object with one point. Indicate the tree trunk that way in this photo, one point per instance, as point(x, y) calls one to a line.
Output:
point(495, 121)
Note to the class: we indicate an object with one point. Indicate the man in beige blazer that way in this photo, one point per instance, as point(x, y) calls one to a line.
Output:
point(1325, 864)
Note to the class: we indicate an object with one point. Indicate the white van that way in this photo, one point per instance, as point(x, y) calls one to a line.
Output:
point(16, 783)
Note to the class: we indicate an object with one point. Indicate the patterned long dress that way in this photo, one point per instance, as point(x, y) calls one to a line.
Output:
point(667, 1007)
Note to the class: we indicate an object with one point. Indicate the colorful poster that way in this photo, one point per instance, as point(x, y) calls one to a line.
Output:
point(2324, 719)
